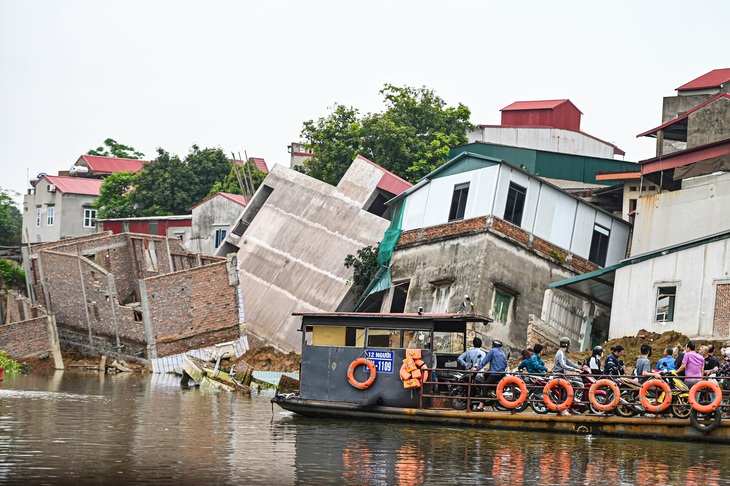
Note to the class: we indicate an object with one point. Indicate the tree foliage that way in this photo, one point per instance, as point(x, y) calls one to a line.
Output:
point(230, 183)
point(112, 148)
point(11, 221)
point(165, 186)
point(11, 275)
point(364, 265)
point(411, 138)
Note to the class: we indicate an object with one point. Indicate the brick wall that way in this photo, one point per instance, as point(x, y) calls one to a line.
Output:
point(206, 308)
point(443, 230)
point(721, 324)
point(26, 338)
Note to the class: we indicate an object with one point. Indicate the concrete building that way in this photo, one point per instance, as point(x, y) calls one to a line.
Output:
point(484, 227)
point(547, 125)
point(133, 296)
point(212, 219)
point(292, 239)
point(59, 207)
point(676, 278)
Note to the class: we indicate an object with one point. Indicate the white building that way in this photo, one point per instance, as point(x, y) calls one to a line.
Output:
point(212, 219)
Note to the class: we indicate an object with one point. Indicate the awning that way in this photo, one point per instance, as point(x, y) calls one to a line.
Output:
point(596, 286)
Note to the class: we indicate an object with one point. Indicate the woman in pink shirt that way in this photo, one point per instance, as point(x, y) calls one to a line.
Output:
point(692, 364)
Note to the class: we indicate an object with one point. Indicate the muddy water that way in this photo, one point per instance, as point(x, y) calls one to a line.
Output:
point(82, 429)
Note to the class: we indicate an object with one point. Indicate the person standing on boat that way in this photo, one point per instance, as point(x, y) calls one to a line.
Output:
point(724, 371)
point(594, 362)
point(667, 362)
point(693, 364)
point(711, 363)
point(471, 358)
point(497, 361)
point(535, 364)
point(613, 364)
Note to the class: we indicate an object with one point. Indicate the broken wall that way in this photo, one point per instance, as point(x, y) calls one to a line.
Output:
point(206, 310)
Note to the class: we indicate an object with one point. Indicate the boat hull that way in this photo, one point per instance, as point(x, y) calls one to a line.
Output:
point(609, 425)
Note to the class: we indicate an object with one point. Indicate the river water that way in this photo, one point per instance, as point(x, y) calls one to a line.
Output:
point(80, 428)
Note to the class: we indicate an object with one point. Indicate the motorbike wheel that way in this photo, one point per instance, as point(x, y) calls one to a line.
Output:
point(602, 400)
point(705, 422)
point(680, 407)
point(458, 400)
point(536, 403)
point(512, 393)
point(625, 407)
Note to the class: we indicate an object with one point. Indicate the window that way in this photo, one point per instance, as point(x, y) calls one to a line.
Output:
point(51, 215)
point(89, 218)
point(515, 204)
point(500, 309)
point(633, 188)
point(220, 236)
point(37, 216)
point(458, 201)
point(599, 245)
point(665, 304)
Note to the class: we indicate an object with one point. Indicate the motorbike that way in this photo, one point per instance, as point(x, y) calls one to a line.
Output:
point(581, 383)
point(463, 381)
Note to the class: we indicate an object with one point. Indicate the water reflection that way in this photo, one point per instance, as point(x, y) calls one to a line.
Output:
point(83, 429)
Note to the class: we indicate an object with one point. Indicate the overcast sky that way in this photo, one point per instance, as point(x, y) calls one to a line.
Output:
point(244, 76)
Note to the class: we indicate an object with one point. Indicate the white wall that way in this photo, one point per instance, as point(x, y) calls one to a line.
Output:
point(548, 139)
point(697, 210)
point(549, 213)
point(694, 271)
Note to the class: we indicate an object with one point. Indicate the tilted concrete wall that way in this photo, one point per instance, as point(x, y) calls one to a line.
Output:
point(292, 253)
point(709, 124)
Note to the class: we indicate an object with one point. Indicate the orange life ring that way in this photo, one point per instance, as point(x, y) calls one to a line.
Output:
point(557, 382)
point(710, 406)
point(361, 385)
point(604, 407)
point(500, 392)
point(645, 401)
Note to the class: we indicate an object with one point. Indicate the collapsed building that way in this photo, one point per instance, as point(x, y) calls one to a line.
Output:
point(133, 296)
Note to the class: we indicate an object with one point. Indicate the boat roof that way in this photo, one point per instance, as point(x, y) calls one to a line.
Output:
point(402, 320)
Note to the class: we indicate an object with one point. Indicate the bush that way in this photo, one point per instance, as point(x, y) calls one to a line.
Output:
point(11, 275)
point(7, 363)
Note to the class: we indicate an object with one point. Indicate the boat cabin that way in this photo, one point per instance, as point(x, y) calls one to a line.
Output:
point(332, 344)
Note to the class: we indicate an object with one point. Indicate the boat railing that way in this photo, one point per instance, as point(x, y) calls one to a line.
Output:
point(446, 386)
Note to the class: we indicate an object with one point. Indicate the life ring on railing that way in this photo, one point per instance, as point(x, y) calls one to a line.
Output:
point(714, 387)
point(500, 392)
point(604, 407)
point(557, 382)
point(351, 373)
point(645, 401)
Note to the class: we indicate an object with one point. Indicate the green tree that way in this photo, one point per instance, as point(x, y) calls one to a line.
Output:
point(163, 187)
point(364, 265)
point(11, 275)
point(114, 199)
point(208, 166)
point(112, 148)
point(230, 184)
point(11, 220)
point(410, 138)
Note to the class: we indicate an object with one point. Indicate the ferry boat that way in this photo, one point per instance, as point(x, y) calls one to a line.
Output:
point(394, 367)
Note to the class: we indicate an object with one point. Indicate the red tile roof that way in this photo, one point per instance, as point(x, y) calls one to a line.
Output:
point(389, 182)
point(537, 105)
point(74, 185)
point(258, 162)
point(236, 198)
point(111, 165)
point(713, 79)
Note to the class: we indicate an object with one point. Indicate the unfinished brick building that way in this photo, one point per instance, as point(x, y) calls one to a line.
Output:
point(133, 295)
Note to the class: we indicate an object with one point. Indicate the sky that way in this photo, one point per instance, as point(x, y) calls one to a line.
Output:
point(244, 76)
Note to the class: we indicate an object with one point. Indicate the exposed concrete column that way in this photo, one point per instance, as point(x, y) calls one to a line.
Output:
point(660, 143)
point(149, 333)
point(55, 345)
point(83, 295)
point(111, 285)
point(587, 326)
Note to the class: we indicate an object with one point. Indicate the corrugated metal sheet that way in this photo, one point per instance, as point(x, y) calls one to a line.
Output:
point(389, 182)
point(713, 79)
point(111, 165)
point(75, 185)
point(551, 113)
